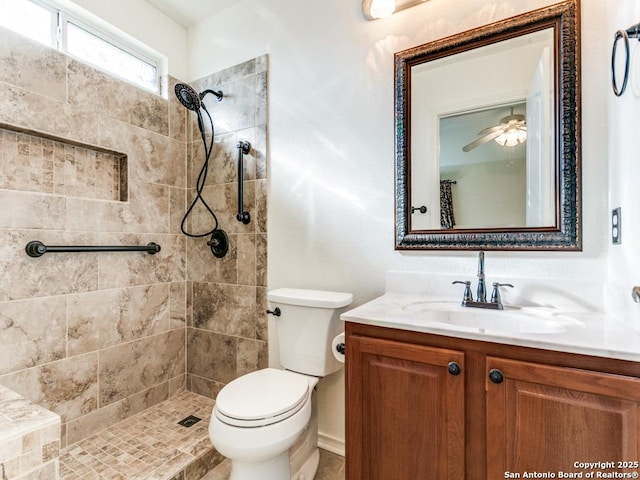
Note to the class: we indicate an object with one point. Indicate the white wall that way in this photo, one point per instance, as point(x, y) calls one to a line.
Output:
point(624, 169)
point(331, 136)
point(146, 24)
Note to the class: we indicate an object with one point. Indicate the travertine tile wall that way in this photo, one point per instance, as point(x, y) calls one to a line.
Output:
point(94, 337)
point(98, 337)
point(227, 325)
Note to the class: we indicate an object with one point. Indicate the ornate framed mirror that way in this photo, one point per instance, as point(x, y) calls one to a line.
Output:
point(488, 137)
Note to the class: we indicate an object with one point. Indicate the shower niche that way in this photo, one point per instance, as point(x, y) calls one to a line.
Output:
point(32, 161)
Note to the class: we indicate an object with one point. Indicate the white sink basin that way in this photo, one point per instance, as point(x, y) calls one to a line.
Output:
point(504, 322)
point(513, 319)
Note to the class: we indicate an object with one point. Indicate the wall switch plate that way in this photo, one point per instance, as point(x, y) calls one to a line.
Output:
point(616, 226)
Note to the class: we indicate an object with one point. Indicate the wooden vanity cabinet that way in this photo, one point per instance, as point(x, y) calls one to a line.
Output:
point(544, 418)
point(407, 410)
point(411, 415)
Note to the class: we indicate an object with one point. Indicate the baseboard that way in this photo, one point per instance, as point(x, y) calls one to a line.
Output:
point(331, 444)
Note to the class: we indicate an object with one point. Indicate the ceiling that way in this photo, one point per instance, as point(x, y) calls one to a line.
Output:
point(190, 12)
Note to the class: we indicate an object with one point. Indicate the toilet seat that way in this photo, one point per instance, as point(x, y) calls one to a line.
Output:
point(262, 398)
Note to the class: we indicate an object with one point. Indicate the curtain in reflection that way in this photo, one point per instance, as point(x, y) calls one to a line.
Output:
point(446, 204)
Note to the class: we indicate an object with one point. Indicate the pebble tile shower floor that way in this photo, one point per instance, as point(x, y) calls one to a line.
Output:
point(152, 446)
point(147, 446)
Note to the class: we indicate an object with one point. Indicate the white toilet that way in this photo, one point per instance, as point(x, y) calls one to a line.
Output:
point(260, 416)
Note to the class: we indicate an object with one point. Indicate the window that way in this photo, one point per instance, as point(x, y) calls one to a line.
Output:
point(56, 28)
point(30, 20)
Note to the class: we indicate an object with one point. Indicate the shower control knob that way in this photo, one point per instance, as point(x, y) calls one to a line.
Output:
point(275, 312)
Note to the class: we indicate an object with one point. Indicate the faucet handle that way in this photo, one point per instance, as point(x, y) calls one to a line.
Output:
point(466, 296)
point(495, 295)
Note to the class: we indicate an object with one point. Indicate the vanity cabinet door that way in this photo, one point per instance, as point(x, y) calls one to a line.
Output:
point(405, 411)
point(542, 418)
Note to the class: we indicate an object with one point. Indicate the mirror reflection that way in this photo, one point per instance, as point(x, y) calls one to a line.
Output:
point(482, 138)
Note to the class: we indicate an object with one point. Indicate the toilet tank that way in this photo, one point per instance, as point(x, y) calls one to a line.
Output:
point(308, 322)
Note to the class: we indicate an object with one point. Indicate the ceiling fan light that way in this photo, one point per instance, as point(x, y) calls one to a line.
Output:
point(511, 137)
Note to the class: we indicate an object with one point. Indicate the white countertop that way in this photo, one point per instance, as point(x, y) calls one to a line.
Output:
point(579, 331)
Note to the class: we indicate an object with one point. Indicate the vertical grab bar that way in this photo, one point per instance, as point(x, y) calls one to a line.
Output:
point(243, 149)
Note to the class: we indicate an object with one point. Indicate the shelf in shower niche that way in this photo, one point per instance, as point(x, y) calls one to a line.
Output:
point(32, 161)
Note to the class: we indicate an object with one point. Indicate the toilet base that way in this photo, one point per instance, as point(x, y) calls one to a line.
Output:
point(276, 468)
point(309, 469)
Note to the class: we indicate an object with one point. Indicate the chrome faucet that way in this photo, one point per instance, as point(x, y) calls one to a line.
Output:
point(481, 293)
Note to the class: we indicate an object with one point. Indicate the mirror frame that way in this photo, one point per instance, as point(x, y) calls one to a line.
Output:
point(566, 235)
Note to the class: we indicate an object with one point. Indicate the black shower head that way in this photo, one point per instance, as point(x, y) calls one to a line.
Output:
point(188, 96)
point(192, 99)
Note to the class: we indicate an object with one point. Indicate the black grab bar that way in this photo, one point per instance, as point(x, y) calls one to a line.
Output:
point(243, 149)
point(36, 248)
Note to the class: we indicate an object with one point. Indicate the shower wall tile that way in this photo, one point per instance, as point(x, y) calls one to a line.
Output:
point(139, 268)
point(23, 108)
point(131, 368)
point(177, 114)
point(33, 332)
point(52, 274)
point(246, 259)
point(101, 319)
point(212, 355)
point(204, 267)
point(117, 99)
point(102, 418)
point(223, 199)
point(32, 66)
point(227, 309)
point(153, 158)
point(238, 108)
point(146, 211)
point(261, 93)
point(252, 356)
point(203, 386)
point(67, 387)
point(261, 208)
point(261, 260)
point(262, 306)
point(228, 324)
point(177, 208)
point(178, 305)
point(28, 210)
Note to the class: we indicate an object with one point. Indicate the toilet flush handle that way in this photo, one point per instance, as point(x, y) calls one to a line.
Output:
point(275, 312)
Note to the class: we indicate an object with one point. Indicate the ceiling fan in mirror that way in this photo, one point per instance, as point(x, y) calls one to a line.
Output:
point(511, 131)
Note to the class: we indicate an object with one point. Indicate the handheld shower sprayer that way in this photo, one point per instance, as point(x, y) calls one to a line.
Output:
point(192, 100)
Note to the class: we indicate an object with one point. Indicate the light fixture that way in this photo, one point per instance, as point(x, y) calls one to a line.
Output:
point(512, 136)
point(375, 9)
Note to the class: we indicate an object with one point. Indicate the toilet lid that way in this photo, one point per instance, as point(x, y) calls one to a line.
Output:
point(262, 398)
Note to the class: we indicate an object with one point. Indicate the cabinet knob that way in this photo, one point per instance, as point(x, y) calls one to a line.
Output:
point(496, 375)
point(454, 368)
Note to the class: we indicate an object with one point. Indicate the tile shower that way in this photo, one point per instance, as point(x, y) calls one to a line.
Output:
point(86, 159)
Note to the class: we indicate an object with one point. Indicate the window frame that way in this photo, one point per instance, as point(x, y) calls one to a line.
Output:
point(61, 17)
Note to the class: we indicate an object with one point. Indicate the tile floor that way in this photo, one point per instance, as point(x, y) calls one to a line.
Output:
point(152, 446)
point(147, 446)
point(331, 468)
